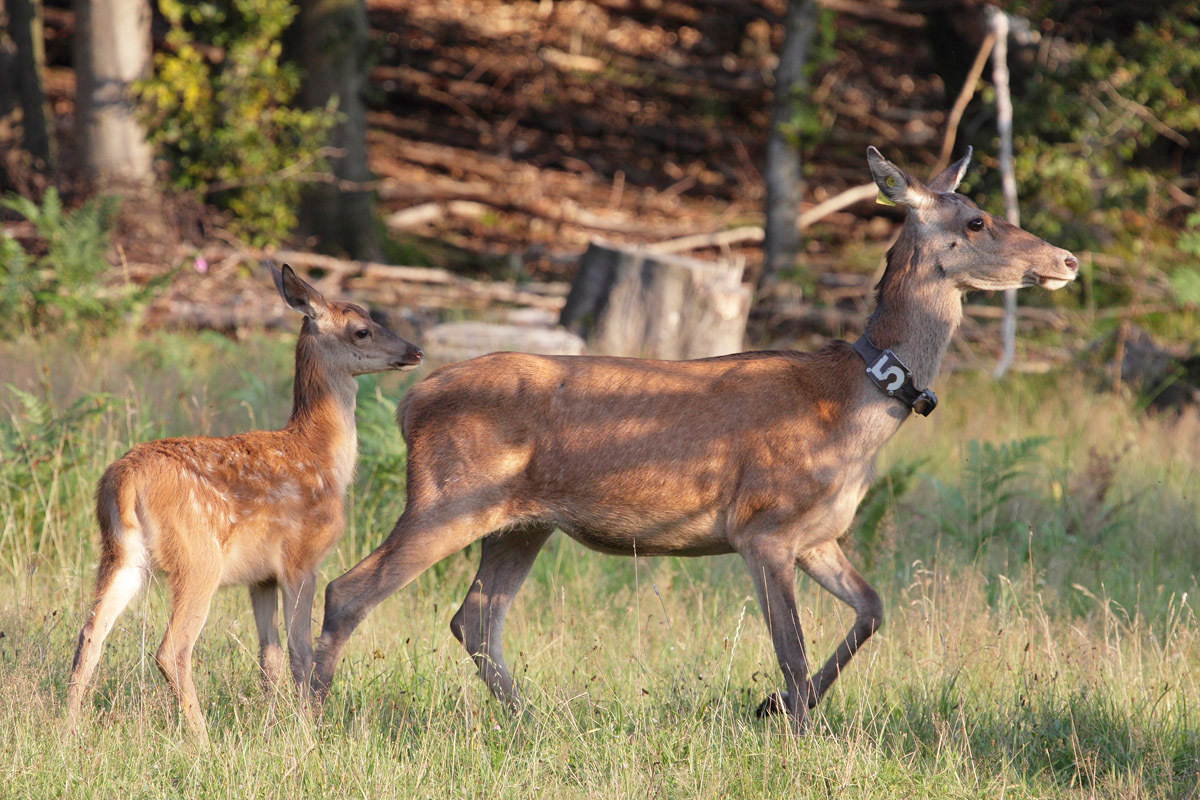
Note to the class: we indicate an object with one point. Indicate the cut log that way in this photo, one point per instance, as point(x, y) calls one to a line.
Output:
point(628, 302)
point(458, 341)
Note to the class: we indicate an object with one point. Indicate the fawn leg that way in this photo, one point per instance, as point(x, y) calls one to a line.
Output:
point(191, 596)
point(297, 619)
point(114, 589)
point(264, 599)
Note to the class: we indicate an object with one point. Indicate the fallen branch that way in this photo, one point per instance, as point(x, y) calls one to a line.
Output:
point(754, 233)
point(747, 233)
point(964, 97)
point(849, 197)
point(436, 282)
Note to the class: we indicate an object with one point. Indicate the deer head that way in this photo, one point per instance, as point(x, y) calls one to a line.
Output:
point(962, 243)
point(350, 340)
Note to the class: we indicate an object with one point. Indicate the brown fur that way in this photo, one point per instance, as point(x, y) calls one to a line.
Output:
point(259, 509)
point(764, 454)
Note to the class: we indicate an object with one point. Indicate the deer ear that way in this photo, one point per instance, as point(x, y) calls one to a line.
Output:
point(896, 184)
point(948, 179)
point(297, 293)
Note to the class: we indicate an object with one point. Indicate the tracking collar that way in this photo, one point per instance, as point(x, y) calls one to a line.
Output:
point(888, 372)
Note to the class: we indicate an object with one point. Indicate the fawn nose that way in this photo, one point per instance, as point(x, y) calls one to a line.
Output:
point(1071, 263)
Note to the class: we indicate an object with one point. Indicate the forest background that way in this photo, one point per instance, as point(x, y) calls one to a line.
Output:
point(1037, 540)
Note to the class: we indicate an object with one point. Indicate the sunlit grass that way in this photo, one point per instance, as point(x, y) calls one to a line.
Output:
point(1037, 644)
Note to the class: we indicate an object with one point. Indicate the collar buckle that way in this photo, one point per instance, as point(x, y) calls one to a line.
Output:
point(925, 403)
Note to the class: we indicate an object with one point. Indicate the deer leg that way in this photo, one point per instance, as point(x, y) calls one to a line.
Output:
point(265, 602)
point(419, 540)
point(191, 596)
point(827, 565)
point(505, 561)
point(116, 587)
point(774, 572)
point(297, 620)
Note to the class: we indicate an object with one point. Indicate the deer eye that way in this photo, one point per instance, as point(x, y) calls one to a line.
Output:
point(361, 333)
point(976, 224)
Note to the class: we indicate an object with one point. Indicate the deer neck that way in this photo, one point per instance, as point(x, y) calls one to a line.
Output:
point(917, 311)
point(323, 403)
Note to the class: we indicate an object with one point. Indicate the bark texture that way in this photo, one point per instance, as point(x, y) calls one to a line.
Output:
point(26, 29)
point(112, 50)
point(651, 305)
point(333, 48)
point(781, 170)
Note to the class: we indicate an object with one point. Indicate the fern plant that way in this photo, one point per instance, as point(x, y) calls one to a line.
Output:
point(33, 439)
point(990, 479)
point(61, 287)
point(880, 498)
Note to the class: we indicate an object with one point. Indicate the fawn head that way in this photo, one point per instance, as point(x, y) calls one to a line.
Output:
point(347, 336)
point(965, 244)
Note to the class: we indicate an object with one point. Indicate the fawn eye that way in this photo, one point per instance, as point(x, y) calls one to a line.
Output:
point(976, 224)
point(361, 333)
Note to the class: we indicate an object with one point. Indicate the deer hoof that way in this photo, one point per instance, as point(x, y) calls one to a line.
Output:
point(774, 704)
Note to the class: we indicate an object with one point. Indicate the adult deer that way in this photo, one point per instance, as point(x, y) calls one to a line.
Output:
point(258, 509)
point(764, 454)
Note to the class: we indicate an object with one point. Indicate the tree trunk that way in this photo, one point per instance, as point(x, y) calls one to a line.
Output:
point(652, 305)
point(1008, 180)
point(781, 241)
point(8, 100)
point(333, 45)
point(25, 26)
point(112, 50)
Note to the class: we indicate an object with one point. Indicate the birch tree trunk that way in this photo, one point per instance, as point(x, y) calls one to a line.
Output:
point(999, 25)
point(781, 168)
point(112, 50)
point(333, 46)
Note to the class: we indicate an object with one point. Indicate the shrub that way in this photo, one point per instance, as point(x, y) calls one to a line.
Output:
point(219, 110)
point(1098, 121)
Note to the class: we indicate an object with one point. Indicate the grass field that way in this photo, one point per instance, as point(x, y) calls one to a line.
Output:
point(1037, 546)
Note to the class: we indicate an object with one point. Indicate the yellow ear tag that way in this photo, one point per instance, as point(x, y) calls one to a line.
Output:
point(883, 199)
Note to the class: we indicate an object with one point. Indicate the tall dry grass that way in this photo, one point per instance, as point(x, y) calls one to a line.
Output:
point(1037, 546)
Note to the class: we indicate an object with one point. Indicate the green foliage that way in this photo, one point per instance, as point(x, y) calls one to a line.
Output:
point(990, 479)
point(1096, 123)
point(383, 458)
point(60, 289)
point(40, 449)
point(225, 123)
point(1185, 281)
point(878, 501)
point(34, 440)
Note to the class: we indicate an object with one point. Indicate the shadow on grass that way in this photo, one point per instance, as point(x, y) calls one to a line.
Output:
point(1074, 740)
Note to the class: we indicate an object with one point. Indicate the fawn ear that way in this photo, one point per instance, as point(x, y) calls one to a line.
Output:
point(896, 184)
point(948, 179)
point(297, 293)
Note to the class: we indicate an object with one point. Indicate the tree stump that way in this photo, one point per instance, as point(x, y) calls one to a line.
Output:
point(628, 302)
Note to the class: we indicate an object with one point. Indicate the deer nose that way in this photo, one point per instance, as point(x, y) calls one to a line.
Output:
point(1071, 263)
point(418, 354)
